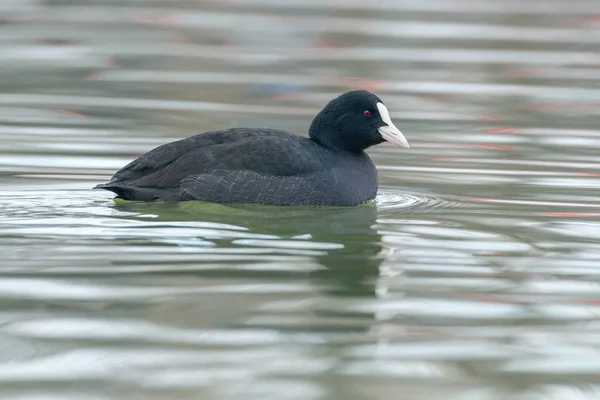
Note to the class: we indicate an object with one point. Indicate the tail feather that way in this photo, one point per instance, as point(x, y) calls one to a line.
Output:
point(130, 192)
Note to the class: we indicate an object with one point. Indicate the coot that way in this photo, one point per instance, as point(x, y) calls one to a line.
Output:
point(269, 166)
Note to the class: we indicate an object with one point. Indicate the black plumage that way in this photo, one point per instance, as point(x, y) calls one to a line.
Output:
point(267, 166)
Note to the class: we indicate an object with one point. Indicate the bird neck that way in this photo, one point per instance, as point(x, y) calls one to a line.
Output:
point(324, 131)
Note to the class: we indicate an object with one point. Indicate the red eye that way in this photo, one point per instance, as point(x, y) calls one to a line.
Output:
point(367, 113)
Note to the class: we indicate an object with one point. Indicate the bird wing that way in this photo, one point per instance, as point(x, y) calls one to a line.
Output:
point(251, 187)
point(262, 151)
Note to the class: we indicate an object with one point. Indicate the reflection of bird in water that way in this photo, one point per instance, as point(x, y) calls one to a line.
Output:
point(350, 259)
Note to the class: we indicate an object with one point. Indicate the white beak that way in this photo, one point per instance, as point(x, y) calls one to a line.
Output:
point(389, 131)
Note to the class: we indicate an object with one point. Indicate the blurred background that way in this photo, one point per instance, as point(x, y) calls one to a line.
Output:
point(475, 277)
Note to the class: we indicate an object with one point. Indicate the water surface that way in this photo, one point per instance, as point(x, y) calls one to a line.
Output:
point(474, 276)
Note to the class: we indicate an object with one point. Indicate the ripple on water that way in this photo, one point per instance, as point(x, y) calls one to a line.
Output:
point(402, 199)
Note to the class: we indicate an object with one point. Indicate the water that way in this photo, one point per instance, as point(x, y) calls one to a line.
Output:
point(475, 276)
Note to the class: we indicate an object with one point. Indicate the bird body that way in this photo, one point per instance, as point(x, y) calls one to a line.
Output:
point(268, 166)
